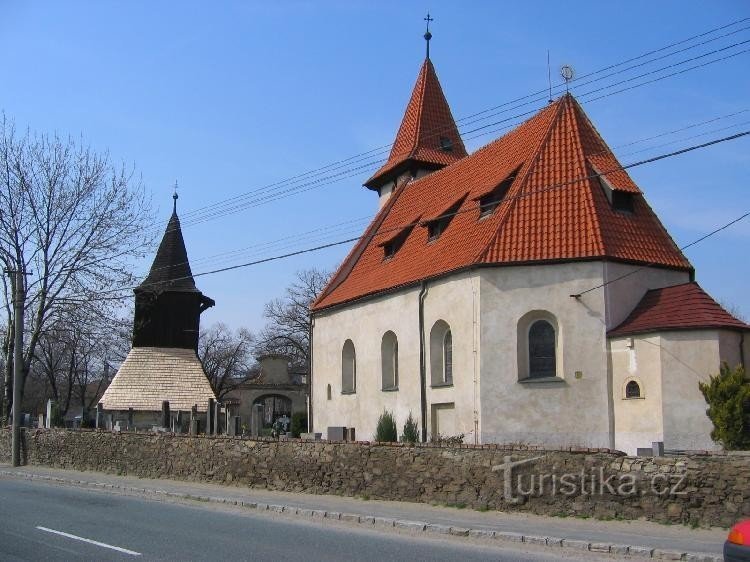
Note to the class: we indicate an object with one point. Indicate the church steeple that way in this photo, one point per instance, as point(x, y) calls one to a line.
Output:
point(168, 304)
point(428, 138)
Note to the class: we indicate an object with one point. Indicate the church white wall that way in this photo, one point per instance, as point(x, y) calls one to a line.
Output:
point(623, 295)
point(365, 323)
point(574, 411)
point(687, 358)
point(638, 421)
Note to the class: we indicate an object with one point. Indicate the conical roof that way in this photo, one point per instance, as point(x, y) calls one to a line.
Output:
point(171, 268)
point(551, 207)
point(428, 134)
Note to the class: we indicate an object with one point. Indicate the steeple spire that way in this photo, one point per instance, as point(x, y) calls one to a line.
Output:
point(427, 34)
point(174, 198)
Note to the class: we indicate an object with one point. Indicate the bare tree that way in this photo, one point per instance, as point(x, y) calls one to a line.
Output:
point(287, 331)
point(73, 222)
point(226, 357)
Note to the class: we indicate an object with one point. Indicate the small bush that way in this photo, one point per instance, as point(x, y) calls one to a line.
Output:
point(299, 423)
point(411, 430)
point(728, 398)
point(386, 431)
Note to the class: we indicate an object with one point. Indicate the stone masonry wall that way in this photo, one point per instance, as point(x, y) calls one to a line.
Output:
point(692, 489)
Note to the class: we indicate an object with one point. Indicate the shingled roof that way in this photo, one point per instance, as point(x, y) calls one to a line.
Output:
point(680, 307)
point(428, 134)
point(150, 375)
point(171, 268)
point(552, 208)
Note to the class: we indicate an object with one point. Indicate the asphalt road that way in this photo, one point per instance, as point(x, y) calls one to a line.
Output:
point(47, 522)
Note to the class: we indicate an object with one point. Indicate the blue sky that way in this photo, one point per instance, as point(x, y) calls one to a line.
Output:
point(228, 97)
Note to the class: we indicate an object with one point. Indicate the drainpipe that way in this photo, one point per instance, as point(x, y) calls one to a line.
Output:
point(422, 362)
point(309, 378)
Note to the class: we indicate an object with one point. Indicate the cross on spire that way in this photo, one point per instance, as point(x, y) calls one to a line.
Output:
point(174, 197)
point(427, 34)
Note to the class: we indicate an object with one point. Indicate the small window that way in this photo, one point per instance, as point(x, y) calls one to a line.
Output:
point(328, 391)
point(389, 361)
point(490, 201)
point(441, 354)
point(448, 358)
point(446, 144)
point(390, 247)
point(437, 226)
point(348, 368)
point(632, 390)
point(542, 350)
point(621, 201)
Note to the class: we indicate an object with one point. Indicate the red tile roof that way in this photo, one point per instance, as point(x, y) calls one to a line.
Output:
point(427, 120)
point(553, 211)
point(681, 307)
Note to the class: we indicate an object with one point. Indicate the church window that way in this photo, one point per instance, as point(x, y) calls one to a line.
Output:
point(632, 390)
point(542, 350)
point(389, 361)
point(390, 247)
point(538, 343)
point(490, 201)
point(348, 368)
point(621, 201)
point(441, 354)
point(436, 227)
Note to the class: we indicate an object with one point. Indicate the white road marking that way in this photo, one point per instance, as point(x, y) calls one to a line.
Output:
point(97, 543)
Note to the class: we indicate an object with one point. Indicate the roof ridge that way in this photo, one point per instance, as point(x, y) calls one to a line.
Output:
point(515, 192)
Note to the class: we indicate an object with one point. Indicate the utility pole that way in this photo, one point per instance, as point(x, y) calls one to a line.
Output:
point(18, 302)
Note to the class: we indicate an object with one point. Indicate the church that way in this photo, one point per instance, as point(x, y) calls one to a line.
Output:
point(522, 294)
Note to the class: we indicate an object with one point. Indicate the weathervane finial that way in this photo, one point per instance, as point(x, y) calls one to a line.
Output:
point(427, 34)
point(174, 197)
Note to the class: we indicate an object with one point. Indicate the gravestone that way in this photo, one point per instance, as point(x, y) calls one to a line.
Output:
point(99, 416)
point(48, 417)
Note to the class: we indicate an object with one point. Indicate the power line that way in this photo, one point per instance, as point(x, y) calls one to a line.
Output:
point(685, 247)
point(471, 209)
point(300, 177)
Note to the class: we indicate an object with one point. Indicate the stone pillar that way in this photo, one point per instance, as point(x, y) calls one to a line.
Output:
point(48, 417)
point(99, 416)
point(256, 420)
point(210, 419)
point(217, 417)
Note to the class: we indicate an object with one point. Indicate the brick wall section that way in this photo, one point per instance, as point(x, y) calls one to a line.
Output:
point(708, 489)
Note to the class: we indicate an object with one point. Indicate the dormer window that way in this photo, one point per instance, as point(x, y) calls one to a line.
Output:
point(390, 247)
point(446, 144)
point(489, 201)
point(437, 226)
point(621, 201)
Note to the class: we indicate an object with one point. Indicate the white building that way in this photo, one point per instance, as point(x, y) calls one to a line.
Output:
point(525, 293)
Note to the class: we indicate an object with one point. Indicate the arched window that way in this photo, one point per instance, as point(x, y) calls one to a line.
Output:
point(448, 358)
point(632, 390)
point(389, 361)
point(538, 341)
point(441, 354)
point(542, 350)
point(348, 368)
point(328, 391)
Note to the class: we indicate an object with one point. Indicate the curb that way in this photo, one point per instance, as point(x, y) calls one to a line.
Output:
point(381, 523)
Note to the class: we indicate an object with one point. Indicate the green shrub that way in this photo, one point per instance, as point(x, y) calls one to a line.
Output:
point(299, 423)
point(411, 430)
point(728, 397)
point(386, 431)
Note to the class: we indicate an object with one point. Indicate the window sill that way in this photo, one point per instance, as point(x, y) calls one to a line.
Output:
point(633, 397)
point(345, 392)
point(390, 389)
point(541, 380)
point(442, 385)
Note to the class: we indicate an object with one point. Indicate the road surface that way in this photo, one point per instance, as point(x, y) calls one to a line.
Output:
point(39, 521)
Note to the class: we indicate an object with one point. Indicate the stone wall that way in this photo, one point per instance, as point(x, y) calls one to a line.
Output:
point(692, 489)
